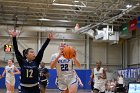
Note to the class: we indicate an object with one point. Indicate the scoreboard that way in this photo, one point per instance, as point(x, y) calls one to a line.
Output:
point(7, 48)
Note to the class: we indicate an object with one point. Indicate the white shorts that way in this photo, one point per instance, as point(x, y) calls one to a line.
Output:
point(99, 86)
point(10, 80)
point(66, 82)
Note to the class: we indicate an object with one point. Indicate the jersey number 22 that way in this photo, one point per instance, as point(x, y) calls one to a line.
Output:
point(64, 67)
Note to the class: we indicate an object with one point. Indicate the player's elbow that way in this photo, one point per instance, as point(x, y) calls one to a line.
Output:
point(78, 65)
point(52, 65)
point(19, 72)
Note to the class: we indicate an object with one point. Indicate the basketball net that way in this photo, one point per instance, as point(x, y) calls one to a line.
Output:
point(77, 27)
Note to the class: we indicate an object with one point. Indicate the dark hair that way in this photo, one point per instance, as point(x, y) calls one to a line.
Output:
point(100, 62)
point(25, 52)
point(11, 60)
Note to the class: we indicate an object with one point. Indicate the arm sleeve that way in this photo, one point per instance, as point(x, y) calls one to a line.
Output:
point(41, 52)
point(19, 57)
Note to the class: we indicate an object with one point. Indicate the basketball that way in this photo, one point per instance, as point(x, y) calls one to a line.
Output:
point(69, 52)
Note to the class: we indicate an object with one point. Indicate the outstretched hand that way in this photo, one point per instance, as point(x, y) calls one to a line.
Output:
point(50, 36)
point(12, 33)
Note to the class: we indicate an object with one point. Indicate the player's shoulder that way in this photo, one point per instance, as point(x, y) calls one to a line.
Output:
point(55, 54)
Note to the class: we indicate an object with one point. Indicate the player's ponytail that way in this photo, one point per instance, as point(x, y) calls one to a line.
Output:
point(24, 53)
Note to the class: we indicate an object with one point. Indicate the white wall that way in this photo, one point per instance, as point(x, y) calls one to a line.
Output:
point(134, 51)
point(110, 55)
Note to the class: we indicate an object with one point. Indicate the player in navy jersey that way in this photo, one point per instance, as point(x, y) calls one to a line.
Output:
point(43, 77)
point(29, 64)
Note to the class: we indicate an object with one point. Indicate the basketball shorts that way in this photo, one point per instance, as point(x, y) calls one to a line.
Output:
point(10, 80)
point(99, 86)
point(66, 82)
point(43, 84)
point(34, 89)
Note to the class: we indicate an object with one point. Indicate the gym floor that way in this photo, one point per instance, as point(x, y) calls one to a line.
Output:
point(50, 91)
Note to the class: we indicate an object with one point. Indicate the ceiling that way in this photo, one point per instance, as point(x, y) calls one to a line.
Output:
point(66, 13)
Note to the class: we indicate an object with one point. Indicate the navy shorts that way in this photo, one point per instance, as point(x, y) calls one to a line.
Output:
point(34, 89)
point(43, 84)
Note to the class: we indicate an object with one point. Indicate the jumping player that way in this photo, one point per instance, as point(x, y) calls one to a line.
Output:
point(10, 71)
point(29, 64)
point(67, 80)
point(43, 77)
point(99, 75)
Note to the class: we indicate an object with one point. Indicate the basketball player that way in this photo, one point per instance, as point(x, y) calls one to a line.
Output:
point(43, 77)
point(29, 64)
point(67, 81)
point(99, 75)
point(10, 71)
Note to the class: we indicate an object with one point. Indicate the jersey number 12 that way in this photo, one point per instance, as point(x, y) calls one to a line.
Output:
point(29, 73)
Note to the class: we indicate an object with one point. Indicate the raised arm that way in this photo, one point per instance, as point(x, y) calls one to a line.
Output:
point(41, 51)
point(17, 53)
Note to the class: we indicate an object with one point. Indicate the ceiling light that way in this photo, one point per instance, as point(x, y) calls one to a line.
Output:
point(43, 19)
point(76, 1)
point(68, 5)
point(63, 20)
point(128, 6)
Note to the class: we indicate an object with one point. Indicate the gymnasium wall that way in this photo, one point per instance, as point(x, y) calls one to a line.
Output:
point(134, 52)
point(110, 55)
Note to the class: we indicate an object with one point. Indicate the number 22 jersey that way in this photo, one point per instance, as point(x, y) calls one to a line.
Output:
point(64, 67)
